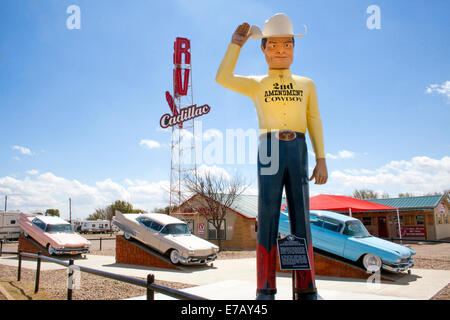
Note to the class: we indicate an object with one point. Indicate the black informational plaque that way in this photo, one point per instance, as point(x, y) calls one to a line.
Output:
point(293, 253)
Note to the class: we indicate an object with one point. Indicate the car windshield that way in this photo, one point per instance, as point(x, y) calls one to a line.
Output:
point(54, 228)
point(356, 229)
point(177, 228)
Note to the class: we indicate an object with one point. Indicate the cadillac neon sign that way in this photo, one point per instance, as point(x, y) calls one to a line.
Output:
point(181, 72)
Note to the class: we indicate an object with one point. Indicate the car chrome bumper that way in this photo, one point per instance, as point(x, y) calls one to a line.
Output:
point(198, 260)
point(398, 267)
point(71, 251)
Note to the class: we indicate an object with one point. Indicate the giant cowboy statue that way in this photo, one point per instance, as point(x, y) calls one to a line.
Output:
point(287, 106)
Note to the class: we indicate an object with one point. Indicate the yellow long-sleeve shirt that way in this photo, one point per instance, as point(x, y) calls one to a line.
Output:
point(282, 100)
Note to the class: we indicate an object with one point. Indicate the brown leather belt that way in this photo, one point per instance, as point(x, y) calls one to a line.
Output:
point(284, 135)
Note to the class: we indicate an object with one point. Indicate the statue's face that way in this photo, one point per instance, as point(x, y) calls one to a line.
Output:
point(279, 52)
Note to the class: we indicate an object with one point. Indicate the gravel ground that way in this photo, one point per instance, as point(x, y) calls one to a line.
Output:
point(91, 287)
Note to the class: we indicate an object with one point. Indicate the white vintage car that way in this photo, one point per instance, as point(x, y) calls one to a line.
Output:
point(168, 235)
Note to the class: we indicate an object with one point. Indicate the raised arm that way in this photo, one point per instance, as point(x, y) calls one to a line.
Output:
point(225, 74)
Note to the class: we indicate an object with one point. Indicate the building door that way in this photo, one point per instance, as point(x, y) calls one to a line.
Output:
point(382, 227)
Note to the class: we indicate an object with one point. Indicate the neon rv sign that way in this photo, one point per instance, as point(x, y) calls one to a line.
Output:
point(181, 72)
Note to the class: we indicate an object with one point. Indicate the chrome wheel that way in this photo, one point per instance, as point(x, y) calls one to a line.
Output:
point(372, 263)
point(50, 249)
point(127, 236)
point(174, 256)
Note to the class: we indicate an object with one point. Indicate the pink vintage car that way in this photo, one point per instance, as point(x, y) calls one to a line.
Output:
point(53, 233)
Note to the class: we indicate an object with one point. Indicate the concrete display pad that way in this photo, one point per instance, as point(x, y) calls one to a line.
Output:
point(136, 253)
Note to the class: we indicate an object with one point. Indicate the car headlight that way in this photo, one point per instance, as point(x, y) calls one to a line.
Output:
point(399, 260)
point(191, 252)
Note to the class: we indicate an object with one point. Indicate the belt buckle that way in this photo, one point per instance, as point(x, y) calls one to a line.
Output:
point(286, 135)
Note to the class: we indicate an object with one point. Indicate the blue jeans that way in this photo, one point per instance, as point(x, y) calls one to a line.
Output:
point(291, 160)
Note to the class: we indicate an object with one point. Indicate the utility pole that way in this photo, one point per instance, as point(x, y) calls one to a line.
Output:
point(6, 202)
point(70, 210)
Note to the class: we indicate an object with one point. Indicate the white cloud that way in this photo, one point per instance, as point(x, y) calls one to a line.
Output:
point(419, 175)
point(150, 144)
point(214, 171)
point(23, 150)
point(442, 89)
point(43, 191)
point(33, 172)
point(343, 154)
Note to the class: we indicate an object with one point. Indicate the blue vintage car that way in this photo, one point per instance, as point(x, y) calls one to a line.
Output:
point(347, 237)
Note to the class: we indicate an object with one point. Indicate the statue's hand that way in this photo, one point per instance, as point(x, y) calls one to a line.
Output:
point(241, 34)
point(320, 172)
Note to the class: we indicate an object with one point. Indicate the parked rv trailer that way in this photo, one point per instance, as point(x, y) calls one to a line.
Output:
point(9, 227)
point(96, 226)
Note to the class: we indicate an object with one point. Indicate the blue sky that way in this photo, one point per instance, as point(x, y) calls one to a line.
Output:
point(76, 104)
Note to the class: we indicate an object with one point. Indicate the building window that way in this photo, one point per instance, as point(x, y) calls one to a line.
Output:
point(420, 220)
point(439, 218)
point(367, 221)
point(190, 224)
point(212, 231)
point(401, 220)
point(12, 222)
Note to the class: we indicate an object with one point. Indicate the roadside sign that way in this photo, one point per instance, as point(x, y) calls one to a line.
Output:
point(201, 228)
point(293, 253)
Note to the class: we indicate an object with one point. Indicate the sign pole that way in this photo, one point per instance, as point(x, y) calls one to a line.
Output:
point(399, 227)
point(293, 284)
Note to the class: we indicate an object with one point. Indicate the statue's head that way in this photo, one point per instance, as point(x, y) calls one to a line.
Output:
point(279, 51)
point(277, 42)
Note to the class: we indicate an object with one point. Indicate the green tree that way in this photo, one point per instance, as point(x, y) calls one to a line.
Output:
point(52, 212)
point(124, 207)
point(110, 211)
point(164, 210)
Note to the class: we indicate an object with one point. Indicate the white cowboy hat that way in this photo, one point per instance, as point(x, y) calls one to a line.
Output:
point(279, 25)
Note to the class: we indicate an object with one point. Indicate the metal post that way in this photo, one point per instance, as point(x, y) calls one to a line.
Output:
point(293, 284)
point(1, 247)
point(100, 243)
point(19, 268)
point(38, 272)
point(150, 292)
point(399, 227)
point(70, 280)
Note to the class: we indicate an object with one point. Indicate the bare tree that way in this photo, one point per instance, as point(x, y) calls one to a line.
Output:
point(406, 195)
point(365, 194)
point(217, 193)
